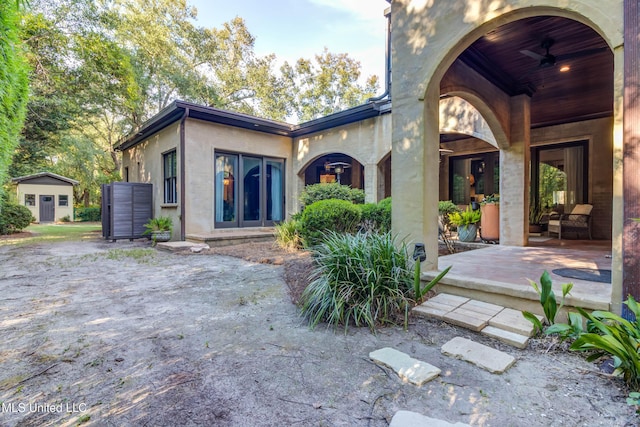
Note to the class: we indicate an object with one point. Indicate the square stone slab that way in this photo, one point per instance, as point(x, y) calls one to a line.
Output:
point(511, 338)
point(513, 321)
point(481, 307)
point(488, 358)
point(440, 305)
point(466, 319)
point(409, 369)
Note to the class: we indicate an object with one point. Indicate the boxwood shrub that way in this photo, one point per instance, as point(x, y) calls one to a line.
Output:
point(315, 192)
point(14, 218)
point(376, 216)
point(336, 215)
point(91, 213)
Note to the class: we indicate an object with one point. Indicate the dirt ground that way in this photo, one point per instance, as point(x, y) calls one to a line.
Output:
point(120, 334)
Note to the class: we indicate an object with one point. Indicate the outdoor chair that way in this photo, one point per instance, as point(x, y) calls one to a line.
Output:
point(578, 221)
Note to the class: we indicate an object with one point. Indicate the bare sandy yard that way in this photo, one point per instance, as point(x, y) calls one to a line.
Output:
point(119, 334)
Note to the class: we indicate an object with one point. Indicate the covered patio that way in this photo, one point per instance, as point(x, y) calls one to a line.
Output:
point(499, 274)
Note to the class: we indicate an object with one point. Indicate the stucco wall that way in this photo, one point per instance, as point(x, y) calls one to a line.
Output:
point(202, 140)
point(367, 141)
point(47, 190)
point(144, 163)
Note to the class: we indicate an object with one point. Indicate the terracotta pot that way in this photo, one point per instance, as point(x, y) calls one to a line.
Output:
point(490, 222)
point(467, 233)
point(535, 228)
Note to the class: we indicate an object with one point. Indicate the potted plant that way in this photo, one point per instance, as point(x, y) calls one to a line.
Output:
point(159, 228)
point(535, 219)
point(467, 223)
point(490, 223)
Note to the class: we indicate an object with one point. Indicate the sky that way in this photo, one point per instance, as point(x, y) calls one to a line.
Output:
point(293, 29)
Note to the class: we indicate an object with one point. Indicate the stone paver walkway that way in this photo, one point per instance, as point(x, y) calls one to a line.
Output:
point(498, 322)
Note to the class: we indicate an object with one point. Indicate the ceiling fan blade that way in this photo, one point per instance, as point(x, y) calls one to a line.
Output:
point(581, 53)
point(533, 55)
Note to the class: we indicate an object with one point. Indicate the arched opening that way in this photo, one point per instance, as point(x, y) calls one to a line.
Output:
point(335, 167)
point(557, 143)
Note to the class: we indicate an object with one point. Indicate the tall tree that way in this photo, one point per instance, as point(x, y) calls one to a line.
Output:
point(13, 82)
point(327, 86)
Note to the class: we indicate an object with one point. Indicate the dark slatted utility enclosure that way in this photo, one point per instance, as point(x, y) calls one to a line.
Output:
point(126, 207)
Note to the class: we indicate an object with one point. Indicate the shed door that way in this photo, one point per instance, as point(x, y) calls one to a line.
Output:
point(47, 209)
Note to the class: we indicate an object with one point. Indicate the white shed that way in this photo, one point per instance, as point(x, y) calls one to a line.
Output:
point(48, 196)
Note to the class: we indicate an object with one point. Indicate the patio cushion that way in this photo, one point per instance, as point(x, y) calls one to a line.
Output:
point(580, 213)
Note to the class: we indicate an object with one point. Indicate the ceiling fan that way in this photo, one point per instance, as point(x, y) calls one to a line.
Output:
point(548, 60)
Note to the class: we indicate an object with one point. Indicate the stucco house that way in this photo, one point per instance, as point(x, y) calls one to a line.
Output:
point(48, 196)
point(490, 95)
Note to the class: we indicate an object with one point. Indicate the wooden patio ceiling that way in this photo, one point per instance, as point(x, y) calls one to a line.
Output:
point(510, 57)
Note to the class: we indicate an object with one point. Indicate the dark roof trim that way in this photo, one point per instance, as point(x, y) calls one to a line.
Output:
point(175, 111)
point(355, 114)
point(43, 174)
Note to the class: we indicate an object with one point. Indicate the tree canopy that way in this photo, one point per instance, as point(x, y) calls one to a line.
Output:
point(100, 68)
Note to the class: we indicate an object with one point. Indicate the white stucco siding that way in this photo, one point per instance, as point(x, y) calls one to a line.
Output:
point(202, 140)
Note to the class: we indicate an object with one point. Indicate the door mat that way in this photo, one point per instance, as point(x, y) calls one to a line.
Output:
point(589, 274)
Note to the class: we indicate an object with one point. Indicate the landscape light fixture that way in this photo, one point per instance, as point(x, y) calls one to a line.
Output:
point(419, 252)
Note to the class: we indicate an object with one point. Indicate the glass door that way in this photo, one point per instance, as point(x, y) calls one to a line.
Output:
point(559, 178)
point(249, 190)
point(274, 191)
point(226, 190)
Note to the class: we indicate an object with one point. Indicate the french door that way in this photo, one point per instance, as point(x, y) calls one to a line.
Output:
point(249, 190)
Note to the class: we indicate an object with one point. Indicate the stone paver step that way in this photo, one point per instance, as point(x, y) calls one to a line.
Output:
point(487, 358)
point(508, 337)
point(409, 369)
point(512, 320)
point(504, 324)
point(440, 305)
point(413, 419)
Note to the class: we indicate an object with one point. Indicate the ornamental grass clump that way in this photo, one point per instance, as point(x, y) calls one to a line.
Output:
point(358, 280)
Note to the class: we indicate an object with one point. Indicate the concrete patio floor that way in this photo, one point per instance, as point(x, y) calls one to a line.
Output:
point(499, 274)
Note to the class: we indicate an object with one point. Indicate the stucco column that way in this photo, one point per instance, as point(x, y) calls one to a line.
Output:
point(514, 176)
point(414, 174)
point(370, 183)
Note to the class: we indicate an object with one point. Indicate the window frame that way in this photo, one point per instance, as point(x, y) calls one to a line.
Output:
point(31, 197)
point(170, 177)
point(65, 198)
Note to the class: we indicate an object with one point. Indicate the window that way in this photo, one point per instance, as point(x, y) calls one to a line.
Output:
point(63, 200)
point(29, 199)
point(170, 177)
point(474, 177)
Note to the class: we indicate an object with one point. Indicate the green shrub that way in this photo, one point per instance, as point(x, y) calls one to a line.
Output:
point(288, 235)
point(91, 213)
point(446, 208)
point(14, 218)
point(324, 215)
point(376, 216)
point(358, 279)
point(315, 192)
